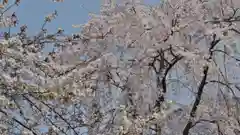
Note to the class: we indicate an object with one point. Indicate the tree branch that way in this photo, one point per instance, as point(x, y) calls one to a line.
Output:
point(19, 122)
point(197, 102)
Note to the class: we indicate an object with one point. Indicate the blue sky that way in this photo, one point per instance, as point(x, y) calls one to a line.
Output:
point(32, 13)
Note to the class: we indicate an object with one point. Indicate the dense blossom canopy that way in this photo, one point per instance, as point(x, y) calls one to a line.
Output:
point(133, 69)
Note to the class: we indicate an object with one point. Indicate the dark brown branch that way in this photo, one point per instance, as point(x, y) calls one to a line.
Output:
point(230, 19)
point(76, 66)
point(162, 82)
point(167, 71)
point(212, 45)
point(8, 8)
point(197, 102)
point(235, 30)
point(209, 121)
point(40, 110)
point(203, 120)
point(226, 54)
point(19, 122)
point(200, 87)
point(60, 116)
point(226, 85)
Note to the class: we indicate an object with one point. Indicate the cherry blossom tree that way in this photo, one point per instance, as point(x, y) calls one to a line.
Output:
point(134, 69)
